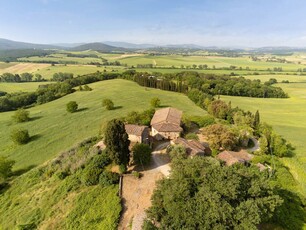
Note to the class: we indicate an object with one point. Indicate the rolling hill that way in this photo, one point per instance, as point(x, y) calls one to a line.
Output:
point(6, 44)
point(98, 46)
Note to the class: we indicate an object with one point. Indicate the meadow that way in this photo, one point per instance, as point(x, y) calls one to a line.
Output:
point(18, 68)
point(20, 87)
point(287, 116)
point(217, 61)
point(54, 130)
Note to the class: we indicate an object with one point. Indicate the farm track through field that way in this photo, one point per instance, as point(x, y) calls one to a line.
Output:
point(24, 67)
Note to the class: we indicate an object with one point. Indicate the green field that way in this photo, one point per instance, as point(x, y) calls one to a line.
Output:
point(55, 130)
point(48, 72)
point(20, 87)
point(278, 77)
point(217, 61)
point(287, 116)
point(4, 65)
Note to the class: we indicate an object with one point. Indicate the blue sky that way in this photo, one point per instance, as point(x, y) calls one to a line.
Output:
point(249, 23)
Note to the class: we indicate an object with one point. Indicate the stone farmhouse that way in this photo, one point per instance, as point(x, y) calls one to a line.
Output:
point(138, 133)
point(166, 124)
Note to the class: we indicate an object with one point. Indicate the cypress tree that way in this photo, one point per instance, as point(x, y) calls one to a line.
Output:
point(256, 120)
point(117, 142)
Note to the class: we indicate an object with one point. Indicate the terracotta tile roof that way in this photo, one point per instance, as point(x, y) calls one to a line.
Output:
point(192, 147)
point(230, 157)
point(167, 120)
point(136, 130)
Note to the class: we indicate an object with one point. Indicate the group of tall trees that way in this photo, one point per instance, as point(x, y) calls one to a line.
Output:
point(207, 84)
point(202, 194)
point(24, 77)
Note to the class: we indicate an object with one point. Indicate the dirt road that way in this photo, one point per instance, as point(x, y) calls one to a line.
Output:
point(136, 193)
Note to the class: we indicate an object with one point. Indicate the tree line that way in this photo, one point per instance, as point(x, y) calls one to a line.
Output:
point(24, 77)
point(208, 84)
point(50, 92)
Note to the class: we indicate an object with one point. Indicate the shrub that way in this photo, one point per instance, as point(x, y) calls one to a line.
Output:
point(21, 115)
point(155, 102)
point(192, 136)
point(108, 178)
point(62, 175)
point(136, 174)
point(177, 151)
point(20, 136)
point(148, 225)
point(99, 161)
point(91, 175)
point(108, 104)
point(72, 107)
point(203, 121)
point(5, 168)
point(122, 168)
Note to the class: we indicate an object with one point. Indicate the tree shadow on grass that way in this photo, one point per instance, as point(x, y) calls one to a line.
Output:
point(4, 187)
point(163, 106)
point(81, 110)
point(19, 172)
point(35, 118)
point(35, 137)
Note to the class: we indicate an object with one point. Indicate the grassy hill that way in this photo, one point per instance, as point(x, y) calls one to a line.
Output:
point(20, 87)
point(56, 195)
point(54, 130)
point(287, 116)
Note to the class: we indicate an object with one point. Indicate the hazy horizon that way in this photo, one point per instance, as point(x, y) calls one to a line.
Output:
point(224, 23)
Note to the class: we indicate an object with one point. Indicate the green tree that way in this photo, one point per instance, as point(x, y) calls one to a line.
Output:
point(263, 146)
point(202, 194)
point(177, 151)
point(221, 136)
point(21, 115)
point(20, 136)
point(72, 107)
point(155, 102)
point(117, 142)
point(108, 104)
point(256, 120)
point(26, 77)
point(219, 109)
point(38, 77)
point(141, 154)
point(5, 168)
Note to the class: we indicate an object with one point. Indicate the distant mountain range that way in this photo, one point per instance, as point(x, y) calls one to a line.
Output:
point(6, 44)
point(113, 46)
